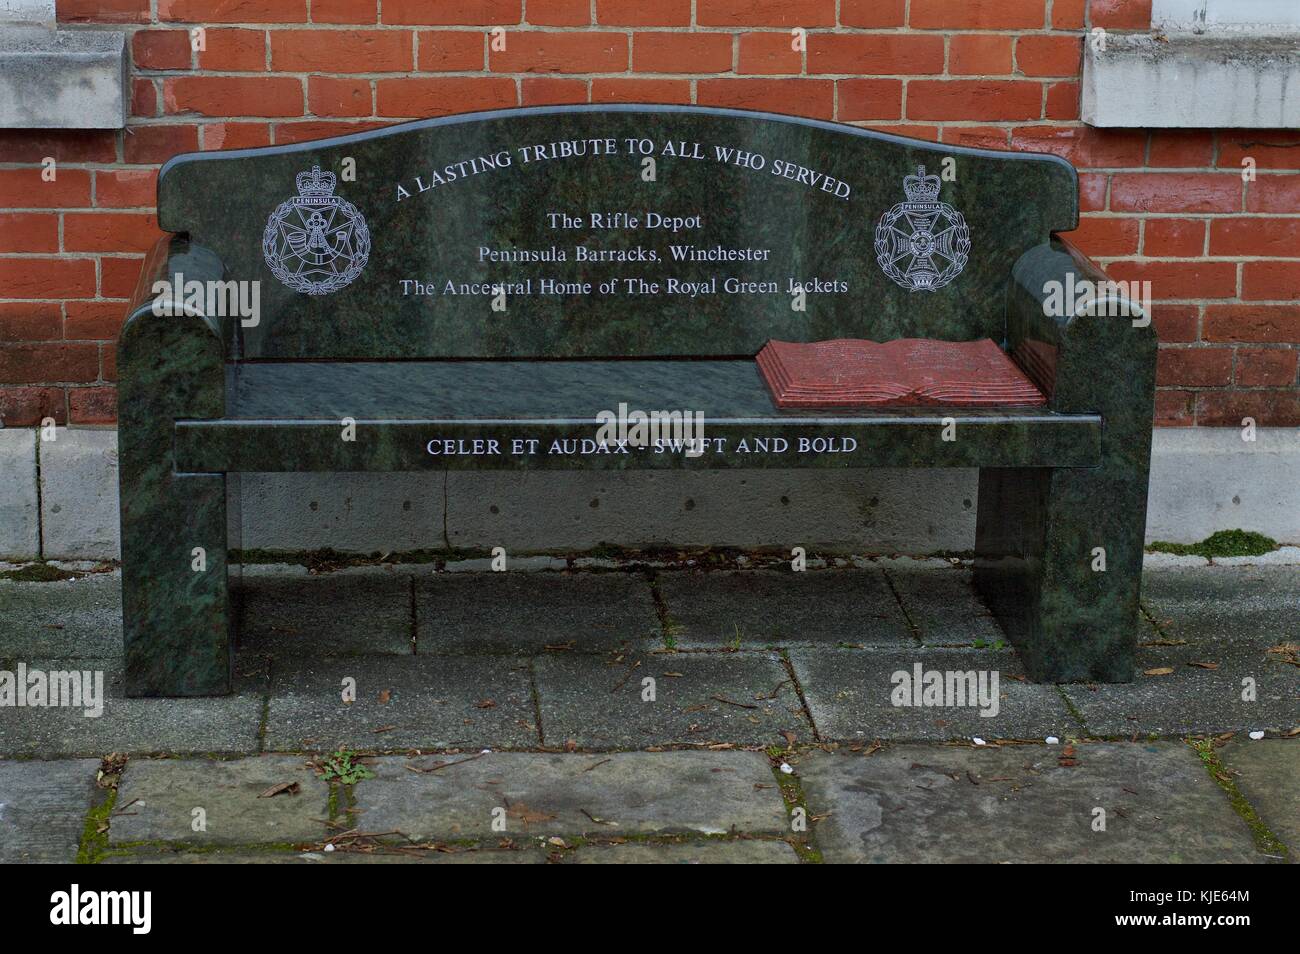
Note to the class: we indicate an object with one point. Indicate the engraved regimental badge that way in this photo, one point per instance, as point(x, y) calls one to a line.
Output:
point(922, 244)
point(316, 242)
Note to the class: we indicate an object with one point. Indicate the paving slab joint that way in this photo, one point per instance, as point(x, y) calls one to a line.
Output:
point(1266, 842)
point(669, 630)
point(415, 619)
point(264, 718)
point(535, 695)
point(1151, 618)
point(93, 846)
point(1075, 714)
point(792, 794)
point(798, 691)
point(912, 626)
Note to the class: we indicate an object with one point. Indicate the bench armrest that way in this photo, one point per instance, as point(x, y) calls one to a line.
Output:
point(170, 356)
point(174, 259)
point(1077, 333)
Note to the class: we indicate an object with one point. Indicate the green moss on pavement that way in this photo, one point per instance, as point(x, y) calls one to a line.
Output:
point(1225, 543)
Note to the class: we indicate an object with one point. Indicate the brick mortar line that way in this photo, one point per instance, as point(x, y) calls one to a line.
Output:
point(588, 29)
point(1023, 79)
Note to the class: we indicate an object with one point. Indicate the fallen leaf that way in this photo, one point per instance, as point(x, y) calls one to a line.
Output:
point(485, 704)
point(290, 788)
point(1159, 671)
point(1204, 665)
point(528, 815)
point(385, 696)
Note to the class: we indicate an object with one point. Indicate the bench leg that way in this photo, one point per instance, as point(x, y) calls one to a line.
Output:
point(1038, 568)
point(175, 602)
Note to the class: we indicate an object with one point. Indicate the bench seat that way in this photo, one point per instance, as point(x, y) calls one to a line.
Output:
point(283, 416)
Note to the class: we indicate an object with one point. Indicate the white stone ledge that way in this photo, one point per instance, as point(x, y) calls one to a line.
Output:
point(62, 79)
point(1188, 81)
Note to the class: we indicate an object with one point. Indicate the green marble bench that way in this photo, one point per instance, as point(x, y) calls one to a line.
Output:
point(414, 312)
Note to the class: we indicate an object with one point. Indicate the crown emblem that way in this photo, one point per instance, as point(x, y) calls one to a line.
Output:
point(317, 183)
point(919, 188)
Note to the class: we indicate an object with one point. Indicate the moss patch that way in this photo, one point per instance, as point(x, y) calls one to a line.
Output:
point(1265, 841)
point(38, 573)
point(1225, 543)
point(795, 802)
point(94, 833)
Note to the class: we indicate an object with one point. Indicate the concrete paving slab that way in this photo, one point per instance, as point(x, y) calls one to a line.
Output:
point(1191, 699)
point(1282, 556)
point(328, 614)
point(1267, 771)
point(711, 852)
point(514, 564)
point(950, 804)
point(1248, 604)
point(1156, 560)
point(165, 799)
point(603, 702)
point(220, 724)
point(534, 795)
point(942, 604)
point(43, 808)
point(62, 619)
point(527, 611)
point(474, 856)
point(851, 694)
point(401, 702)
point(756, 609)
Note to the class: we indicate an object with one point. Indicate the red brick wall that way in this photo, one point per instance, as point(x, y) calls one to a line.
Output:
point(1223, 255)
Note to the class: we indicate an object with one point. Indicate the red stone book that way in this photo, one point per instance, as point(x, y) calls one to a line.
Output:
point(909, 372)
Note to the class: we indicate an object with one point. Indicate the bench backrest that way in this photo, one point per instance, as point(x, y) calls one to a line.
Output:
point(751, 201)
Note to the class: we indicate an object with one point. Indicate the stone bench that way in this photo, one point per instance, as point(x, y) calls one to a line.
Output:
point(473, 292)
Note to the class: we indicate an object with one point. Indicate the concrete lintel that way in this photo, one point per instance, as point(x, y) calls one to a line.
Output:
point(62, 79)
point(27, 11)
point(1193, 81)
